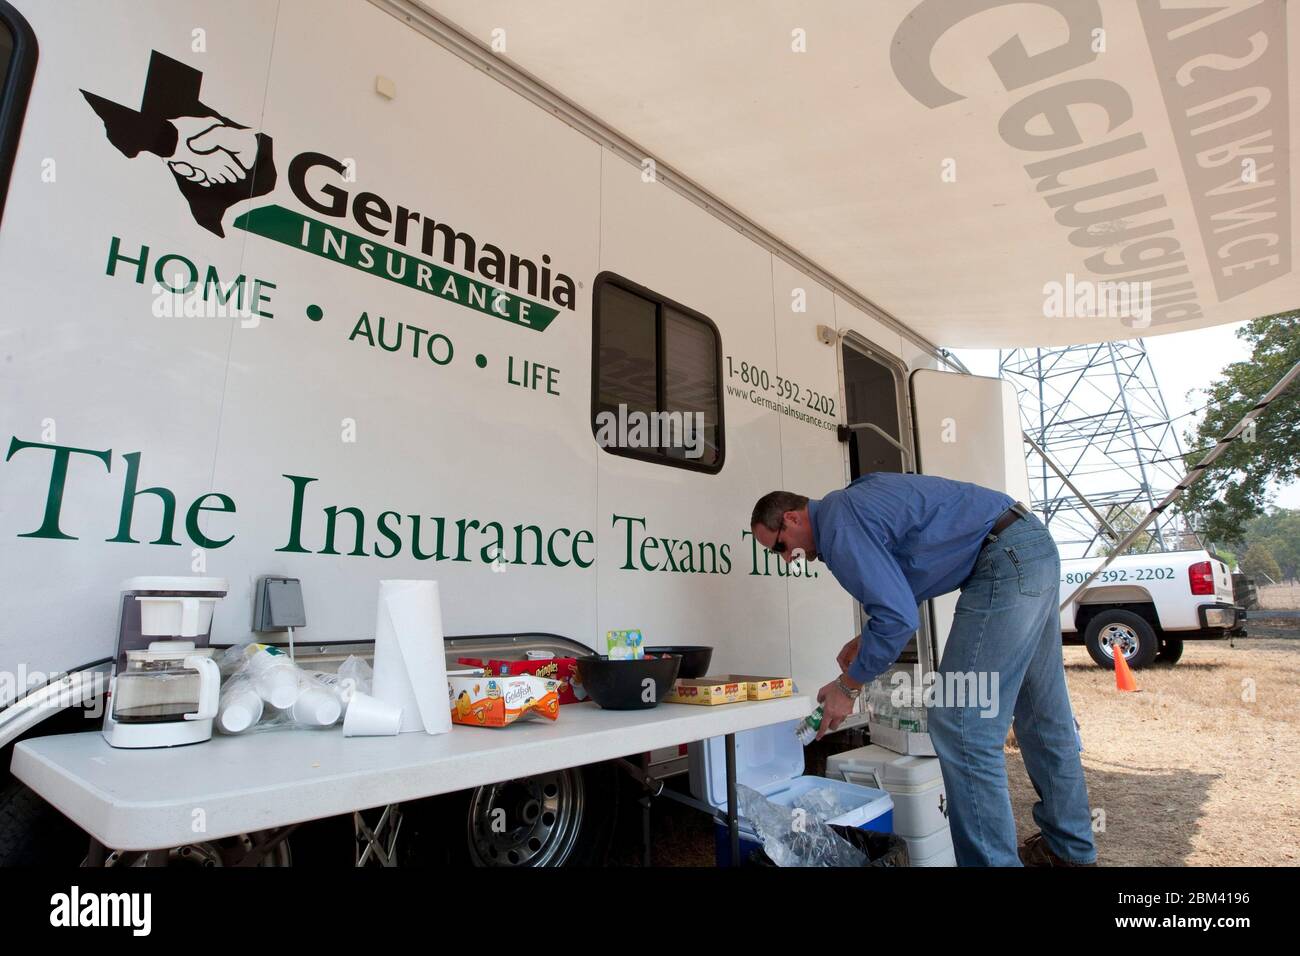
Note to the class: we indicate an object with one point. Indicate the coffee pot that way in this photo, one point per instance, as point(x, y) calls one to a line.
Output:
point(167, 696)
point(165, 693)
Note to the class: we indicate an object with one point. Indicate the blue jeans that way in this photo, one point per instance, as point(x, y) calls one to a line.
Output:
point(1008, 623)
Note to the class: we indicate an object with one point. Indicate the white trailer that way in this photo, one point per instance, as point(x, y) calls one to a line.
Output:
point(338, 291)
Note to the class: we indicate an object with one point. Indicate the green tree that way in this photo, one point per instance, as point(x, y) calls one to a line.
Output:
point(1278, 529)
point(1235, 489)
point(1124, 520)
point(1259, 561)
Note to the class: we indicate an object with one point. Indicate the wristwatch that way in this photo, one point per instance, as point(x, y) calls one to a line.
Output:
point(850, 692)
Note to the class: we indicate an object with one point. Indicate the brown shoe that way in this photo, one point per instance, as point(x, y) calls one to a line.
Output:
point(1035, 852)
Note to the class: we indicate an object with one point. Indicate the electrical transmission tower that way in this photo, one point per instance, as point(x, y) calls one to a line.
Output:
point(1097, 411)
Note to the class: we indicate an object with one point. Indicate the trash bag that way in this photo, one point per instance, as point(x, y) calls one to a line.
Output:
point(879, 849)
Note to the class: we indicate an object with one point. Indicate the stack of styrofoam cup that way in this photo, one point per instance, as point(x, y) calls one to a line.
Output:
point(316, 706)
point(240, 707)
point(274, 676)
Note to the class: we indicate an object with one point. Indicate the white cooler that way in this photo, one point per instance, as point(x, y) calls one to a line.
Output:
point(916, 786)
point(932, 850)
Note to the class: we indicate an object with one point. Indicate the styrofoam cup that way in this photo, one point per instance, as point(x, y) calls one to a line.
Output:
point(278, 688)
point(371, 717)
point(317, 706)
point(274, 676)
point(240, 708)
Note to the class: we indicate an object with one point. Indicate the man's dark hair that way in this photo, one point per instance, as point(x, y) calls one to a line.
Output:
point(771, 508)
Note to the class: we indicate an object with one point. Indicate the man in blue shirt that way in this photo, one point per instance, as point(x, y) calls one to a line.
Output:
point(893, 541)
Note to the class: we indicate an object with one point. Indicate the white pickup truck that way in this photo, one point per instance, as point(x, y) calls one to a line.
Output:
point(1148, 604)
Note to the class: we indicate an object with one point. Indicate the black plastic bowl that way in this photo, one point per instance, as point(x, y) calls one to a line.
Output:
point(695, 658)
point(617, 685)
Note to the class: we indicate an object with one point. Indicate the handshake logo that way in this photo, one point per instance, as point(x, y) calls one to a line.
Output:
point(215, 161)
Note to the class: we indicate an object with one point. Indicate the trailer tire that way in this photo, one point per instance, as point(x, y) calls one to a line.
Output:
point(33, 833)
point(566, 818)
point(1133, 631)
point(1171, 650)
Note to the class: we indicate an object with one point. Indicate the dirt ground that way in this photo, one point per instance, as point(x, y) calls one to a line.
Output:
point(1199, 768)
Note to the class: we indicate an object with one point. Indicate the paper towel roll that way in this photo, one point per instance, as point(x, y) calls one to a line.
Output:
point(410, 664)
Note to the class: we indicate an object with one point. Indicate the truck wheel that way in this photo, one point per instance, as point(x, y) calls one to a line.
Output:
point(564, 818)
point(1125, 630)
point(1171, 649)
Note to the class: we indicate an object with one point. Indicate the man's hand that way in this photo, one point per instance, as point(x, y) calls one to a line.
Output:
point(836, 705)
point(848, 654)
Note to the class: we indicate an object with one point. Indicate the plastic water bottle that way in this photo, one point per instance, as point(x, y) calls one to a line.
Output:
point(806, 732)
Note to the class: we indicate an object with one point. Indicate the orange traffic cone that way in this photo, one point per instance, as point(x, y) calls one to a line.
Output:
point(1123, 676)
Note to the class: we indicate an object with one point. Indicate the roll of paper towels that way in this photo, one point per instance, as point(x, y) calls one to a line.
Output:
point(410, 664)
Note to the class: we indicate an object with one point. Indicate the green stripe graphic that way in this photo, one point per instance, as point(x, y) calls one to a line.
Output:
point(337, 245)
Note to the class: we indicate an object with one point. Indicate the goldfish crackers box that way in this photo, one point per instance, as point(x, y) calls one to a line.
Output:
point(484, 700)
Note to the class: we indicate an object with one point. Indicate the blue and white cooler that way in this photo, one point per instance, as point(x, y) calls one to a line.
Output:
point(770, 760)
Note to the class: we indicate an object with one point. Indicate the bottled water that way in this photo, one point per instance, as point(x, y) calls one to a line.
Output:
point(806, 732)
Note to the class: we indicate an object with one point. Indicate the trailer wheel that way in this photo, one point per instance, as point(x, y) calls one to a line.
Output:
point(1123, 629)
point(564, 818)
point(1171, 650)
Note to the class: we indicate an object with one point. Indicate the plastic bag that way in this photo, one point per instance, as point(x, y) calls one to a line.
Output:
point(263, 689)
point(792, 840)
point(824, 804)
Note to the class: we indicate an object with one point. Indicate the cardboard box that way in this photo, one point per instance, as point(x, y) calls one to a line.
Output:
point(485, 700)
point(708, 691)
point(762, 688)
point(915, 743)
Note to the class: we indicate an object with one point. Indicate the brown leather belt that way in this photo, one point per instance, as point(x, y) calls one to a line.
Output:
point(1006, 520)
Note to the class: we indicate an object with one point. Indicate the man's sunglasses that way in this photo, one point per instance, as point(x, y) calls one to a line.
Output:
point(778, 546)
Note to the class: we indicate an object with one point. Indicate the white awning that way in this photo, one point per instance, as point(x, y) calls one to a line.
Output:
point(973, 167)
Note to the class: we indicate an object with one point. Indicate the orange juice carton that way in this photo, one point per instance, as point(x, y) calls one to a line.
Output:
point(484, 700)
point(708, 691)
point(625, 645)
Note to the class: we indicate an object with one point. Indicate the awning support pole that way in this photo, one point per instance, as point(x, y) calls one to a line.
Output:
point(1191, 478)
point(1114, 535)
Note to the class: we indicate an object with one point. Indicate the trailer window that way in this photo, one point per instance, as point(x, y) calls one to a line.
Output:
point(656, 378)
point(17, 66)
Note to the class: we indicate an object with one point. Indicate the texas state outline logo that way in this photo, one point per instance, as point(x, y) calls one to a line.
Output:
point(215, 161)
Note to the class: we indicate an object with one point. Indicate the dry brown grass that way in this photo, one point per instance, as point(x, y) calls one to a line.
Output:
point(1189, 771)
point(1280, 597)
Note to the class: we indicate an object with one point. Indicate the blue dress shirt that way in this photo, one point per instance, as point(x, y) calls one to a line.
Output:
point(893, 541)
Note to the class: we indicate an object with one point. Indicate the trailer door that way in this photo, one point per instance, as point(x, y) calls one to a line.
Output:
point(966, 427)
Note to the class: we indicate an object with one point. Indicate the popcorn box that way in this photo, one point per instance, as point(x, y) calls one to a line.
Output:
point(484, 700)
point(708, 691)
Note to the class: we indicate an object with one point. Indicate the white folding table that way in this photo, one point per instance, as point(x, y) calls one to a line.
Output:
point(152, 800)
